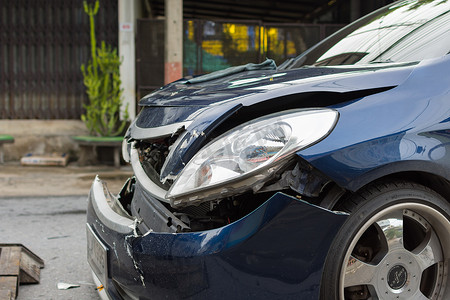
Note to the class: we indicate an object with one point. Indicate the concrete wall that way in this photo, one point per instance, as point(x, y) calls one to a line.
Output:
point(129, 11)
point(41, 137)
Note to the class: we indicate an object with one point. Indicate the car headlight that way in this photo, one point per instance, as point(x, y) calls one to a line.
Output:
point(245, 157)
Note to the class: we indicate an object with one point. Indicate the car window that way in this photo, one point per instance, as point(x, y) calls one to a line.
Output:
point(428, 41)
point(404, 32)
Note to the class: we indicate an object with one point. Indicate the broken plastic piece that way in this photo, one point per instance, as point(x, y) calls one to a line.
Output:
point(66, 286)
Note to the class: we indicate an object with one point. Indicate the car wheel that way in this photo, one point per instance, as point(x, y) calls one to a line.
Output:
point(394, 245)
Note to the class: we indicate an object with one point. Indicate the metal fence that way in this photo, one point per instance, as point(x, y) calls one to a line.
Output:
point(42, 46)
point(44, 42)
point(149, 56)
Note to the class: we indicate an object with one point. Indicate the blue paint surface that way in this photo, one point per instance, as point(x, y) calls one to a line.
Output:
point(277, 252)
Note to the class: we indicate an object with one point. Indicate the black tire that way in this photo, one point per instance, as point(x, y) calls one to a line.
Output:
point(394, 245)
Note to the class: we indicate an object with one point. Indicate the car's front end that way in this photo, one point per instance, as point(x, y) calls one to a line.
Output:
point(276, 251)
point(241, 179)
point(224, 222)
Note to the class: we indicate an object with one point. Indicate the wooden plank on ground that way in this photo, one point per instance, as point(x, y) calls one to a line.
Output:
point(17, 265)
point(10, 261)
point(6, 295)
point(30, 268)
point(18, 260)
point(8, 287)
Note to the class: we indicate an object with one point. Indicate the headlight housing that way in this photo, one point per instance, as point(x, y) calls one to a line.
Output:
point(247, 156)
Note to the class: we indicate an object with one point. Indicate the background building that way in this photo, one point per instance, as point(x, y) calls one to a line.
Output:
point(44, 42)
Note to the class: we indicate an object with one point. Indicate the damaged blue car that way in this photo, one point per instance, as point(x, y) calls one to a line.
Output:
point(327, 177)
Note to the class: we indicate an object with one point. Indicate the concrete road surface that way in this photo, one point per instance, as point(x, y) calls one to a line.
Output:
point(54, 229)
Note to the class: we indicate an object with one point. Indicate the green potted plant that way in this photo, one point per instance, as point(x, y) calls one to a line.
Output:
point(102, 81)
point(102, 115)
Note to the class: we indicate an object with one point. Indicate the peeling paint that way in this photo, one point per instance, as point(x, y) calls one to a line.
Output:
point(184, 145)
point(115, 250)
point(197, 134)
point(130, 254)
point(101, 225)
point(142, 280)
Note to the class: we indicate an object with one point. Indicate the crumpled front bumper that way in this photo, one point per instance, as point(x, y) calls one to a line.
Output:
point(277, 251)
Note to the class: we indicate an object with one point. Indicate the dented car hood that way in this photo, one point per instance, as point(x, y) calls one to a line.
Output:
point(197, 109)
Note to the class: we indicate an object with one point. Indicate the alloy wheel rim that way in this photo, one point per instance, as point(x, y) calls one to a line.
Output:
point(397, 265)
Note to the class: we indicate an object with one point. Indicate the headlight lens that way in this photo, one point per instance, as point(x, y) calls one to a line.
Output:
point(249, 150)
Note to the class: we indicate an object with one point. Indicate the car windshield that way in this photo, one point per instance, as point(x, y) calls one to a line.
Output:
point(403, 32)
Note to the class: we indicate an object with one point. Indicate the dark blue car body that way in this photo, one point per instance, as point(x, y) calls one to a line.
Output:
point(394, 122)
point(251, 258)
